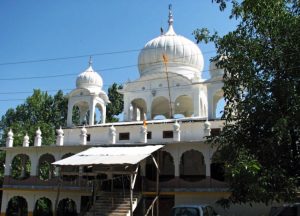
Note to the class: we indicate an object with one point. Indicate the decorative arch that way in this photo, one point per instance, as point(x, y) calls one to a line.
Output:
point(43, 207)
point(184, 105)
point(99, 113)
point(69, 169)
point(217, 167)
point(80, 114)
point(45, 167)
point(216, 106)
point(20, 167)
point(67, 207)
point(166, 167)
point(17, 205)
point(139, 108)
point(192, 166)
point(160, 106)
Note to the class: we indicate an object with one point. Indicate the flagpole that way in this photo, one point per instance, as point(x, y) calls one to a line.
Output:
point(165, 59)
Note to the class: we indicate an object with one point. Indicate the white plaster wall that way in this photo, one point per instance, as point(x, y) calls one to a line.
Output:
point(190, 131)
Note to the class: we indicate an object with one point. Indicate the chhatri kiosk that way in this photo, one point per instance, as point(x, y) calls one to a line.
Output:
point(156, 158)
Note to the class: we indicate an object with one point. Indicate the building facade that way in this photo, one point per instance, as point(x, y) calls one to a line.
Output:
point(170, 104)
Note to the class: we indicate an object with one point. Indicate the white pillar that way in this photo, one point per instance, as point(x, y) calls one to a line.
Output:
point(83, 135)
point(70, 114)
point(112, 135)
point(34, 165)
point(103, 117)
point(176, 131)
point(26, 141)
point(10, 139)
point(196, 101)
point(143, 134)
point(60, 137)
point(207, 160)
point(92, 112)
point(8, 161)
point(38, 138)
point(30, 203)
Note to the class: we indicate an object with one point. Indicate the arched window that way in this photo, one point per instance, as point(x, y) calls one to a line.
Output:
point(43, 207)
point(20, 166)
point(184, 105)
point(67, 207)
point(160, 106)
point(98, 114)
point(45, 167)
point(17, 206)
point(192, 166)
point(217, 168)
point(166, 167)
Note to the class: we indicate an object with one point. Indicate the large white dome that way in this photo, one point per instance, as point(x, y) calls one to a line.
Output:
point(89, 79)
point(183, 56)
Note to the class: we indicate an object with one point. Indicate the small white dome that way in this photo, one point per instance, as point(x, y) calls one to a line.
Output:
point(183, 56)
point(89, 79)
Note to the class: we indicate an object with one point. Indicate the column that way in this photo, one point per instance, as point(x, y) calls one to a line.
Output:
point(92, 112)
point(70, 113)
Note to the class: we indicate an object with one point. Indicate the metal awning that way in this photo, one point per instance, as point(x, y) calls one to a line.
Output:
point(109, 156)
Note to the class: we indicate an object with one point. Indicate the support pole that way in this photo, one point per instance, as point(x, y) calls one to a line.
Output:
point(131, 195)
point(57, 194)
point(157, 185)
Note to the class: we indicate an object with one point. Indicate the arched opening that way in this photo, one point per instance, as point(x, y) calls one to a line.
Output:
point(20, 167)
point(184, 105)
point(192, 166)
point(17, 205)
point(220, 107)
point(67, 207)
point(98, 114)
point(139, 108)
point(166, 167)
point(80, 113)
point(160, 106)
point(218, 104)
point(43, 207)
point(217, 167)
point(45, 167)
point(68, 172)
point(76, 115)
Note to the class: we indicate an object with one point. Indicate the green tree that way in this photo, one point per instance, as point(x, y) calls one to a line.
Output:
point(39, 110)
point(116, 106)
point(260, 142)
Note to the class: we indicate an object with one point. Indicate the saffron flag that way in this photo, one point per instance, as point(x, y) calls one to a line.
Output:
point(145, 120)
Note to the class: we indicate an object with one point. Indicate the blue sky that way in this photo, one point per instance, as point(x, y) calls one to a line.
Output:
point(50, 29)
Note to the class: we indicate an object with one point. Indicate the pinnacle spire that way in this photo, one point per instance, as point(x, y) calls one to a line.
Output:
point(90, 61)
point(171, 20)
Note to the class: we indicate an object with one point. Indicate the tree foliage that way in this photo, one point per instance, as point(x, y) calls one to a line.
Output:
point(116, 106)
point(260, 143)
point(39, 110)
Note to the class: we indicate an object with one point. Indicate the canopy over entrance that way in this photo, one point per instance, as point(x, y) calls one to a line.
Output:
point(125, 155)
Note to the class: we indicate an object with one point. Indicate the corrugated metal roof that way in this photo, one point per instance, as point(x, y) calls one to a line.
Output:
point(109, 156)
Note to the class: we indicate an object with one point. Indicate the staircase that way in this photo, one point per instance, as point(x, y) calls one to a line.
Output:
point(113, 204)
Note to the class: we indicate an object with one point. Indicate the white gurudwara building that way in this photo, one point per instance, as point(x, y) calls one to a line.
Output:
point(156, 158)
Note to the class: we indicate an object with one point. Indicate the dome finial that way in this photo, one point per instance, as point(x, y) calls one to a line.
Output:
point(171, 20)
point(90, 61)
